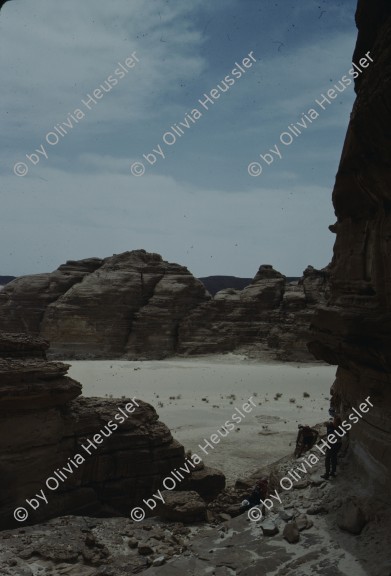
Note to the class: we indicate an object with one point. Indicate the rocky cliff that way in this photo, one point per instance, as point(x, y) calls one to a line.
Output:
point(353, 330)
point(269, 317)
point(45, 423)
point(137, 306)
point(129, 304)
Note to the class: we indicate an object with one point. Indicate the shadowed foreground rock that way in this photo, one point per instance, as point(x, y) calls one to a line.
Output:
point(44, 424)
point(232, 546)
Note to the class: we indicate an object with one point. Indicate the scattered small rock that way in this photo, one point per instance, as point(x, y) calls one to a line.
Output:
point(144, 549)
point(291, 533)
point(301, 485)
point(286, 516)
point(269, 528)
point(313, 510)
point(159, 561)
point(303, 523)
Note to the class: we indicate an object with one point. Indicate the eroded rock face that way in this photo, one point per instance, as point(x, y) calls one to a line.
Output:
point(23, 302)
point(137, 306)
point(353, 330)
point(129, 304)
point(44, 423)
point(270, 316)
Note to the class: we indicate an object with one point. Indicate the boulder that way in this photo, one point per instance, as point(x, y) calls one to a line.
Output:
point(284, 515)
point(303, 523)
point(159, 561)
point(183, 507)
point(291, 533)
point(351, 518)
point(269, 528)
point(208, 482)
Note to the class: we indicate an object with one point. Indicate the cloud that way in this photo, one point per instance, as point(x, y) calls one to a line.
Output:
point(198, 206)
point(96, 214)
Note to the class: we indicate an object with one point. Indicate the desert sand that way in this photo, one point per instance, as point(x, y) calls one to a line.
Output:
point(195, 397)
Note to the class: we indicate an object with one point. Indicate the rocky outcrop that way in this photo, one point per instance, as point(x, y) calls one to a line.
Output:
point(129, 304)
point(233, 317)
point(137, 306)
point(353, 330)
point(270, 316)
point(24, 301)
point(61, 453)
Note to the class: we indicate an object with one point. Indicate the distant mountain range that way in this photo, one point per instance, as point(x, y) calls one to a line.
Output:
point(5, 279)
point(214, 284)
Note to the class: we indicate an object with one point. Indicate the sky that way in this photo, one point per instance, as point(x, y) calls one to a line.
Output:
point(198, 205)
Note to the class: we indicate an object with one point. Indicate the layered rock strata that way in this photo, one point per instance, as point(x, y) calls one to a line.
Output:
point(137, 306)
point(129, 304)
point(353, 330)
point(270, 316)
point(44, 423)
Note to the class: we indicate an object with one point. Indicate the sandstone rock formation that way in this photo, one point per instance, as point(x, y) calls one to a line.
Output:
point(44, 423)
point(129, 304)
point(269, 316)
point(353, 330)
point(137, 306)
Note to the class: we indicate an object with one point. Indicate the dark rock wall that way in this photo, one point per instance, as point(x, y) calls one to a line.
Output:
point(353, 330)
point(44, 422)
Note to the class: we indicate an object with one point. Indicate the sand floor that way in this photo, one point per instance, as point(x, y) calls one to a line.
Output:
point(195, 397)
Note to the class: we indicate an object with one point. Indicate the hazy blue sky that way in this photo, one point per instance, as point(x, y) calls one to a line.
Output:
point(198, 206)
